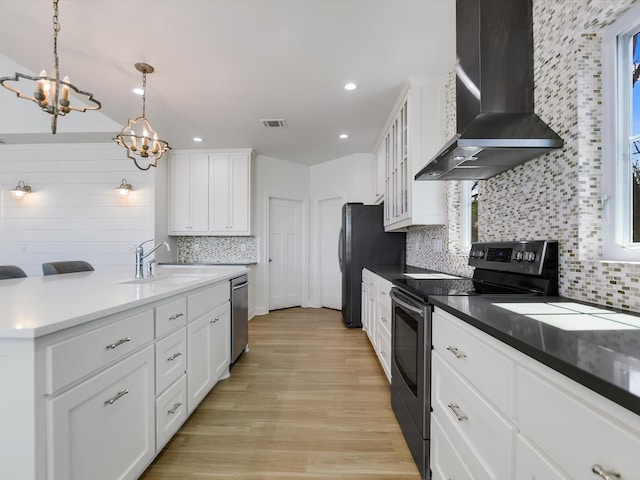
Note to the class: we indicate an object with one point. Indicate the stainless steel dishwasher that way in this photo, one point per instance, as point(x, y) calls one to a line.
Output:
point(239, 316)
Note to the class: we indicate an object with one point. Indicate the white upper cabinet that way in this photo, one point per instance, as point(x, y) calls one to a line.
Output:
point(189, 193)
point(231, 193)
point(413, 133)
point(210, 192)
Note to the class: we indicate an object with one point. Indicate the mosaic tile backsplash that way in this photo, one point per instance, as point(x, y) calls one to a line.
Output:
point(557, 196)
point(228, 250)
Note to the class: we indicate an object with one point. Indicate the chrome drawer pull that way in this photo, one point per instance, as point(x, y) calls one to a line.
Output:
point(456, 352)
point(177, 315)
point(174, 409)
point(214, 320)
point(118, 343)
point(384, 320)
point(174, 356)
point(118, 396)
point(456, 410)
point(605, 474)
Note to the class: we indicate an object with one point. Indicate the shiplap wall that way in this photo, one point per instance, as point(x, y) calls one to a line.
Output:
point(73, 212)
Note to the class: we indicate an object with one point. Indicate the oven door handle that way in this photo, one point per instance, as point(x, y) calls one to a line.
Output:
point(404, 304)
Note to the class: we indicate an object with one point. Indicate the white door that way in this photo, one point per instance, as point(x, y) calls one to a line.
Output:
point(330, 276)
point(285, 253)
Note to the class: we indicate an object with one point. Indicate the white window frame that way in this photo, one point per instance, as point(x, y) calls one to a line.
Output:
point(616, 190)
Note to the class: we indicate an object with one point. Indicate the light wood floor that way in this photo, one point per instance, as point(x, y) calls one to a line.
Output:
point(308, 401)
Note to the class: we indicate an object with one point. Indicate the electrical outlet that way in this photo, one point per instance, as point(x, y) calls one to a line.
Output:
point(437, 244)
point(23, 247)
point(196, 247)
point(243, 247)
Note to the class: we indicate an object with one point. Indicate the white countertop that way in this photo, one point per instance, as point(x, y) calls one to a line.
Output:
point(35, 306)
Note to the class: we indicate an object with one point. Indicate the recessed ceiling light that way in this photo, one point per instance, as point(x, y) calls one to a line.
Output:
point(344, 135)
point(138, 91)
point(350, 86)
point(197, 139)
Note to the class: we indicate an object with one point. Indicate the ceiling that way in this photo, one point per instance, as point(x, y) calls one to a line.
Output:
point(223, 65)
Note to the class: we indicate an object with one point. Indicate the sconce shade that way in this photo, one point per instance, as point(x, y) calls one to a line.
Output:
point(124, 189)
point(20, 191)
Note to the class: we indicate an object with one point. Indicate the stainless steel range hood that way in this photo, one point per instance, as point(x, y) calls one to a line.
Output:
point(494, 94)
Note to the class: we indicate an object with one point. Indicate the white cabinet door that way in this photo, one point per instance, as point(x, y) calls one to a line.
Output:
point(208, 353)
point(220, 189)
point(104, 428)
point(189, 193)
point(239, 197)
point(199, 366)
point(220, 342)
point(230, 187)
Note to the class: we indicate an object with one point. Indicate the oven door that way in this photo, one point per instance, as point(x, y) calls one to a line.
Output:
point(411, 373)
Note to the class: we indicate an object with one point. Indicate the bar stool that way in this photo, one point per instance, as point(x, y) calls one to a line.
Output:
point(68, 266)
point(11, 271)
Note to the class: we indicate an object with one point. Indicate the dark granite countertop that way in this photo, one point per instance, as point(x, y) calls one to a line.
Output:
point(602, 359)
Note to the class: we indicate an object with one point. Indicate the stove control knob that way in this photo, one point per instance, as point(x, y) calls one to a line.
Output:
point(518, 256)
point(530, 256)
point(480, 253)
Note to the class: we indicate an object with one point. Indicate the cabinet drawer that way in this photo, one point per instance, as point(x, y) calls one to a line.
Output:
point(530, 464)
point(478, 431)
point(572, 430)
point(384, 317)
point(103, 428)
point(171, 411)
point(477, 357)
point(202, 302)
point(384, 287)
point(384, 352)
point(445, 462)
point(171, 359)
point(170, 316)
point(76, 357)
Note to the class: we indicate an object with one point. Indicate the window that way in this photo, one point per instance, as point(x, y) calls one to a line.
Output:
point(621, 127)
point(470, 190)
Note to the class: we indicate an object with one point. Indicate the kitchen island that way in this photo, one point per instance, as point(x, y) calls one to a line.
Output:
point(100, 369)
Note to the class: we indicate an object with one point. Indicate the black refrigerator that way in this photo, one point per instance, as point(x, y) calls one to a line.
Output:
point(364, 242)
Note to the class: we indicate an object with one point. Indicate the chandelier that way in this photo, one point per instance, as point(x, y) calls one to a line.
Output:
point(140, 140)
point(52, 94)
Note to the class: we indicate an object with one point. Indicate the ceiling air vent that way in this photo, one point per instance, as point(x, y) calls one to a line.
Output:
point(273, 123)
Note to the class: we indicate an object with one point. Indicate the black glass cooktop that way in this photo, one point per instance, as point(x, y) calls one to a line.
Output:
point(422, 288)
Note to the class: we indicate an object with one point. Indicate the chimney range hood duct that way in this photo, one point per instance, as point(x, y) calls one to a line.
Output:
point(497, 129)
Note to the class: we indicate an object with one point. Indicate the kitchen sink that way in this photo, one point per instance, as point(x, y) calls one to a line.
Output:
point(165, 280)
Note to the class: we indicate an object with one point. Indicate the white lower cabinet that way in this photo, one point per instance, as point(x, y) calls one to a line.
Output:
point(171, 411)
point(103, 428)
point(208, 353)
point(507, 416)
point(446, 464)
point(376, 316)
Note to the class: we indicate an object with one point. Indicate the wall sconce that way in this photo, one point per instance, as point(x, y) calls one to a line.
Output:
point(124, 189)
point(20, 191)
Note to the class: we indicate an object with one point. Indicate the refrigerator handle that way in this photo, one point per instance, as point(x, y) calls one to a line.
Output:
point(340, 247)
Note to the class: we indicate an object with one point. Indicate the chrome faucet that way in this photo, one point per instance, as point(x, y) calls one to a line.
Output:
point(140, 255)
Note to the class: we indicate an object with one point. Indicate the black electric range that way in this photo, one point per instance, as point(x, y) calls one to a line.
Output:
point(501, 268)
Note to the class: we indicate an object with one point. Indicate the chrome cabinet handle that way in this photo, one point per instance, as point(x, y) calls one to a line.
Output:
point(384, 320)
point(605, 474)
point(456, 410)
point(117, 397)
point(118, 343)
point(177, 315)
point(214, 320)
point(174, 356)
point(174, 409)
point(456, 352)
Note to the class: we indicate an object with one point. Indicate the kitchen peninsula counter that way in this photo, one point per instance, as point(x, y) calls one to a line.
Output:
point(37, 306)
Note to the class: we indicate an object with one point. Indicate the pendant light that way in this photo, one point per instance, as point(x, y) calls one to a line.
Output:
point(51, 93)
point(140, 140)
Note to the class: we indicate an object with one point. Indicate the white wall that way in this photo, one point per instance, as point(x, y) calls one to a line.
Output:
point(273, 178)
point(73, 212)
point(352, 178)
